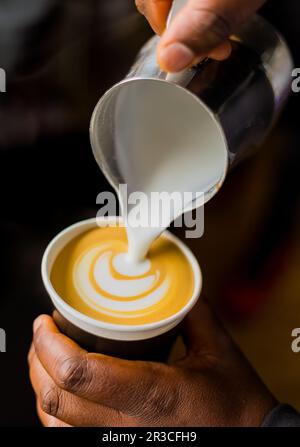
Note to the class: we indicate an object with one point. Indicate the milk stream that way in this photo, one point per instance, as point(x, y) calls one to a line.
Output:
point(158, 139)
point(175, 147)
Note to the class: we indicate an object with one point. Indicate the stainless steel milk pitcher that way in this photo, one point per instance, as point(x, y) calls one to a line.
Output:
point(222, 109)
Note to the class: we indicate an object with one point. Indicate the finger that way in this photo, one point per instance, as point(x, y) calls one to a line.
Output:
point(199, 28)
point(203, 333)
point(66, 407)
point(222, 52)
point(49, 421)
point(156, 12)
point(112, 382)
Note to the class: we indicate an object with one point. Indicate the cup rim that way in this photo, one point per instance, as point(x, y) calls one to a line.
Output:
point(55, 297)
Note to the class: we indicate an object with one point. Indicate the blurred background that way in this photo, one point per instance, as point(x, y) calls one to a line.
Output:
point(60, 57)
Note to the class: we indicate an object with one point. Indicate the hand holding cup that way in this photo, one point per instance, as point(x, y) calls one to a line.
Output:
point(213, 385)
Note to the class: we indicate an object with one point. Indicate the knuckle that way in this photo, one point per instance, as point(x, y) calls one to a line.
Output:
point(163, 396)
point(213, 21)
point(140, 4)
point(72, 374)
point(50, 401)
point(210, 362)
point(37, 339)
point(110, 384)
point(204, 361)
point(221, 27)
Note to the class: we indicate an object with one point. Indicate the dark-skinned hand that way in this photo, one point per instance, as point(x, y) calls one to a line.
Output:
point(201, 29)
point(213, 385)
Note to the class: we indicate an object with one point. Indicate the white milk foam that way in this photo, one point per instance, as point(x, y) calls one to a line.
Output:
point(134, 284)
point(165, 141)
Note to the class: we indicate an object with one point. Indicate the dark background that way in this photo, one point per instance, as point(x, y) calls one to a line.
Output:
point(60, 57)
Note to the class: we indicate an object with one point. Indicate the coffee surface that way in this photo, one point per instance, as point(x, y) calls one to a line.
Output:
point(93, 275)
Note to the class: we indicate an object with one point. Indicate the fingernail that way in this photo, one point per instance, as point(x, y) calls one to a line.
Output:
point(176, 57)
point(36, 324)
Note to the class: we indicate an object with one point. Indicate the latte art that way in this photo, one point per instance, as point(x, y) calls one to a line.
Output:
point(95, 277)
point(108, 290)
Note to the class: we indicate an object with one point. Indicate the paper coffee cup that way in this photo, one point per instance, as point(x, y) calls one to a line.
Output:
point(151, 341)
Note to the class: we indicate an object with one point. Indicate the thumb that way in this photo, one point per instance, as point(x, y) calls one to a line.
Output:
point(156, 12)
point(202, 29)
point(203, 334)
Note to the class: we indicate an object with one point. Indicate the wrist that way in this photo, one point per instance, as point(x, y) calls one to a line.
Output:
point(257, 409)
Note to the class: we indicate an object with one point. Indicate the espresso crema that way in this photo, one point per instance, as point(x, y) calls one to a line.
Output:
point(95, 277)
